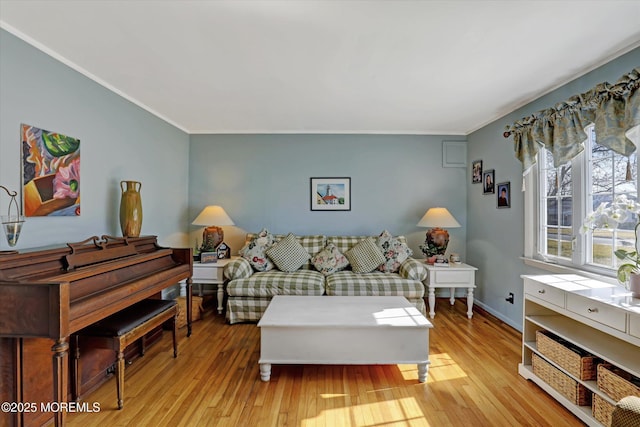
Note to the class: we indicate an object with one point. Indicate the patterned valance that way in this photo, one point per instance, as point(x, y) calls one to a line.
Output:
point(614, 109)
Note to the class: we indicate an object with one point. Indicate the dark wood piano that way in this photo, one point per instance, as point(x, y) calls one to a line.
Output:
point(47, 295)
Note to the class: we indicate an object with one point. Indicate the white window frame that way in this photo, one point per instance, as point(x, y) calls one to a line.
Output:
point(533, 230)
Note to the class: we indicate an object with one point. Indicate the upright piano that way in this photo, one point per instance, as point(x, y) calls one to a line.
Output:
point(47, 295)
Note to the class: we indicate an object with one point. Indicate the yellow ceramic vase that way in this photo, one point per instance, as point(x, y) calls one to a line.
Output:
point(130, 208)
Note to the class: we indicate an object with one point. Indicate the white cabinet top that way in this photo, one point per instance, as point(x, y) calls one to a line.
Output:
point(607, 293)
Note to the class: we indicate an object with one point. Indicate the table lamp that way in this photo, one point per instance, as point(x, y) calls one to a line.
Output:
point(437, 239)
point(212, 235)
point(12, 222)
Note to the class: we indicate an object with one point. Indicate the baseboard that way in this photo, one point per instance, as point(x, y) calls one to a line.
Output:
point(462, 294)
point(497, 315)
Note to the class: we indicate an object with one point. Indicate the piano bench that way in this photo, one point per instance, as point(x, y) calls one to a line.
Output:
point(121, 329)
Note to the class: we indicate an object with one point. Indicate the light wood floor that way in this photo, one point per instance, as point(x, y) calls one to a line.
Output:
point(473, 381)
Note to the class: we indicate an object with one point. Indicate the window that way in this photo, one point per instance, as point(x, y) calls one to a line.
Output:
point(566, 194)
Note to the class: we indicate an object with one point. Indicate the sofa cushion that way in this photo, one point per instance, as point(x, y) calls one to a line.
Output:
point(288, 254)
point(344, 243)
point(365, 256)
point(275, 282)
point(254, 251)
point(329, 260)
point(394, 251)
point(373, 284)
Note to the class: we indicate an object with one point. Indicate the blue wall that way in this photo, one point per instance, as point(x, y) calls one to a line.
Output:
point(263, 181)
point(119, 141)
point(495, 237)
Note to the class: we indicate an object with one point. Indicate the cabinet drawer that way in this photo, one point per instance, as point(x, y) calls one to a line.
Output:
point(208, 274)
point(444, 277)
point(544, 292)
point(634, 325)
point(597, 311)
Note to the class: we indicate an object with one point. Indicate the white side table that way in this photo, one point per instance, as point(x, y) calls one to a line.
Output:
point(452, 277)
point(209, 274)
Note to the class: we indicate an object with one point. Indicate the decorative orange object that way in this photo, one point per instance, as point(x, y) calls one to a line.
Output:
point(437, 240)
point(211, 238)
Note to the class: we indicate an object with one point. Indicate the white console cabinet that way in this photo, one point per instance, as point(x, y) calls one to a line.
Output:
point(599, 317)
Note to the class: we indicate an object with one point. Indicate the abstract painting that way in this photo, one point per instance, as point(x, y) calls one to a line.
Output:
point(50, 173)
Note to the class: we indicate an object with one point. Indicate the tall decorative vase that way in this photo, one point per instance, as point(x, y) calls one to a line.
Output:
point(130, 208)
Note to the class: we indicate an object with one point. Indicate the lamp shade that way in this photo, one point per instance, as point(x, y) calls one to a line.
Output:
point(213, 215)
point(438, 217)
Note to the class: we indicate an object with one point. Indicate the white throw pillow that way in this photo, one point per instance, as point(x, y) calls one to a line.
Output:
point(255, 251)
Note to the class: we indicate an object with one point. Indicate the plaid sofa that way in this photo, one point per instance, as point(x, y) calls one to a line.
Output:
point(249, 292)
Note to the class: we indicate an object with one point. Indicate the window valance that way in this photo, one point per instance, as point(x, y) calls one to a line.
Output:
point(614, 109)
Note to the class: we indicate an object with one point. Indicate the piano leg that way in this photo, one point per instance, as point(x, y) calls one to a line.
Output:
point(60, 376)
point(75, 368)
point(189, 294)
point(120, 378)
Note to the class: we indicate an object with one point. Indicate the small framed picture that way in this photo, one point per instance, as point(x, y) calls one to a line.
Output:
point(208, 257)
point(504, 195)
point(330, 194)
point(488, 180)
point(476, 172)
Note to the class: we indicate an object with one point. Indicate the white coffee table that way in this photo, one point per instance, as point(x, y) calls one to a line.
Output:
point(343, 330)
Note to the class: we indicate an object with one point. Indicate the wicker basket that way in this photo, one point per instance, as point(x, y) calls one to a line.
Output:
point(561, 382)
point(196, 310)
point(617, 383)
point(572, 359)
point(602, 410)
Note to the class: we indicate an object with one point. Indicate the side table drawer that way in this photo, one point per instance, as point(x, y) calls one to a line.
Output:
point(634, 325)
point(446, 276)
point(207, 274)
point(549, 294)
point(596, 311)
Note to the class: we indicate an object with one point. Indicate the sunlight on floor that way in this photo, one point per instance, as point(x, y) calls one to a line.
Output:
point(442, 368)
point(391, 413)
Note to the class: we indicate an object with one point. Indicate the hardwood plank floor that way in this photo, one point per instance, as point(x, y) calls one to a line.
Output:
point(473, 381)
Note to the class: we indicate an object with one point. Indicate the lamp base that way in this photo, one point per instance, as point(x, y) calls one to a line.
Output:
point(211, 238)
point(435, 243)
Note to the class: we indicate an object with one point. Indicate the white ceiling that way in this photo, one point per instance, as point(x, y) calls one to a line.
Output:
point(423, 67)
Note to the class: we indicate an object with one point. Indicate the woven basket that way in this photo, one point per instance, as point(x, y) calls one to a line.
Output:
point(616, 382)
point(196, 310)
point(602, 410)
point(572, 359)
point(561, 382)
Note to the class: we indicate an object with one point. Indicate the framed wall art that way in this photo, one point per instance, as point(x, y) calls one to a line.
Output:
point(50, 173)
point(476, 172)
point(504, 195)
point(488, 180)
point(330, 194)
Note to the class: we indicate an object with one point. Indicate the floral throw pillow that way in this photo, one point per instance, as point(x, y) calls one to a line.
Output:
point(255, 251)
point(395, 252)
point(329, 260)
